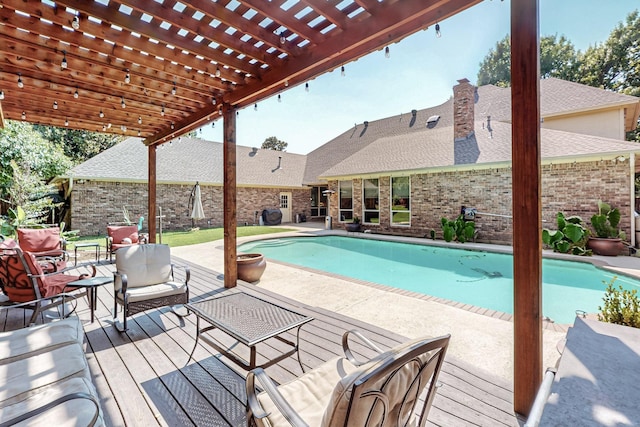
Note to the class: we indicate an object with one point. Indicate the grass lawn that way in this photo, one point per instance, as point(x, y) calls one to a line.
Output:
point(183, 238)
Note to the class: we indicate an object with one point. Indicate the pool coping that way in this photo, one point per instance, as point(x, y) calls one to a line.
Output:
point(547, 324)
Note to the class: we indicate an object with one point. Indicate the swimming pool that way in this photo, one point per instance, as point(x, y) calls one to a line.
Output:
point(482, 279)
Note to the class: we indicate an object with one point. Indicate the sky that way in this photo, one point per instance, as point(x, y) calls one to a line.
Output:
point(420, 73)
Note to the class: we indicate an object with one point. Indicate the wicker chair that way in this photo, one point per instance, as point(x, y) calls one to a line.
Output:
point(395, 388)
point(144, 280)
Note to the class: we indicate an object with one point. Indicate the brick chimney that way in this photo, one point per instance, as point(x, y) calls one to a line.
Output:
point(463, 102)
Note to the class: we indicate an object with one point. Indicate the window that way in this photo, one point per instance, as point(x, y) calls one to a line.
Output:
point(318, 201)
point(371, 199)
point(346, 201)
point(400, 201)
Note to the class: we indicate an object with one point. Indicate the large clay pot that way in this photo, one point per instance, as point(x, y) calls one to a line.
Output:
point(352, 226)
point(606, 247)
point(251, 267)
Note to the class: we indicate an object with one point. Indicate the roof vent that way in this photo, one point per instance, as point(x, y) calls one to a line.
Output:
point(432, 121)
point(414, 112)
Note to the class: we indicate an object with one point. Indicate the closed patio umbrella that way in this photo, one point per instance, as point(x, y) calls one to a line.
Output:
point(196, 212)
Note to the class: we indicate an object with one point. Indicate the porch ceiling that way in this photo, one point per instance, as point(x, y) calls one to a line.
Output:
point(180, 56)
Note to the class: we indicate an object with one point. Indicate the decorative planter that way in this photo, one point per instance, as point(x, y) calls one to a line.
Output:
point(606, 247)
point(250, 267)
point(352, 227)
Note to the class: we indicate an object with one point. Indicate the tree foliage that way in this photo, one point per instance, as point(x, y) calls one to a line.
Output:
point(273, 143)
point(78, 145)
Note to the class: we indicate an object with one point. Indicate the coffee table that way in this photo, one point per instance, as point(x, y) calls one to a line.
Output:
point(249, 320)
point(91, 284)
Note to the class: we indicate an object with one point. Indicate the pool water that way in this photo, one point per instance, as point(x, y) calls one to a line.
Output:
point(482, 279)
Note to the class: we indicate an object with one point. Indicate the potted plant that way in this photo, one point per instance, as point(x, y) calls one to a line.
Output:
point(608, 237)
point(250, 267)
point(354, 225)
point(570, 238)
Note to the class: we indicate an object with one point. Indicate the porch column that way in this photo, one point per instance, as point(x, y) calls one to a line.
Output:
point(151, 191)
point(229, 205)
point(526, 190)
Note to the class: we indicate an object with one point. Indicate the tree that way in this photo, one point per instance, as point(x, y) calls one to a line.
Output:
point(558, 58)
point(78, 145)
point(273, 143)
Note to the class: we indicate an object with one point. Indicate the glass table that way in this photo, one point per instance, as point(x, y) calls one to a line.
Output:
point(250, 321)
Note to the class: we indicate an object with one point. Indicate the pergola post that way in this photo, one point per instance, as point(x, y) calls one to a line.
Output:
point(229, 205)
point(526, 190)
point(151, 191)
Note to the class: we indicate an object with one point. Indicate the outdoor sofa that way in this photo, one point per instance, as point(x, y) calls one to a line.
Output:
point(46, 378)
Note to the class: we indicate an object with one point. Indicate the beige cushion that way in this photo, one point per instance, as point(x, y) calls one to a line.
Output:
point(23, 378)
point(76, 412)
point(29, 341)
point(144, 265)
point(310, 393)
point(154, 291)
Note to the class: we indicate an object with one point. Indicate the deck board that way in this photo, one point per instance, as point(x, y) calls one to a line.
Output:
point(145, 377)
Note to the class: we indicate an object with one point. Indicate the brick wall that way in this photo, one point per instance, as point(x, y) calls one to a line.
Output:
point(573, 188)
point(95, 203)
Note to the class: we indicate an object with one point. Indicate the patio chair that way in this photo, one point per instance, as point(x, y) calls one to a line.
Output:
point(121, 236)
point(395, 388)
point(44, 242)
point(26, 284)
point(144, 280)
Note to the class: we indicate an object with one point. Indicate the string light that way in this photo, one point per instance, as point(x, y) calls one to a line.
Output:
point(109, 125)
point(123, 128)
point(286, 83)
point(306, 87)
point(162, 111)
point(64, 64)
point(139, 120)
point(20, 84)
point(139, 133)
point(179, 139)
point(218, 72)
point(1, 95)
point(66, 122)
point(282, 38)
point(101, 114)
point(174, 89)
point(55, 105)
point(255, 107)
point(438, 33)
point(127, 78)
point(75, 24)
point(279, 98)
point(104, 128)
point(76, 94)
point(122, 104)
point(213, 100)
point(172, 126)
point(387, 53)
point(342, 73)
point(23, 116)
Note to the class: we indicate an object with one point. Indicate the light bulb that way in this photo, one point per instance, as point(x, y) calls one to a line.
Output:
point(55, 105)
point(122, 103)
point(162, 111)
point(342, 73)
point(179, 139)
point(66, 122)
point(306, 87)
point(101, 114)
point(279, 98)
point(172, 125)
point(438, 33)
point(1, 95)
point(387, 53)
point(127, 78)
point(20, 84)
point(139, 133)
point(213, 100)
point(109, 125)
point(139, 120)
point(286, 83)
point(23, 116)
point(76, 94)
point(218, 72)
point(282, 38)
point(104, 128)
point(255, 107)
point(75, 24)
point(64, 64)
point(174, 89)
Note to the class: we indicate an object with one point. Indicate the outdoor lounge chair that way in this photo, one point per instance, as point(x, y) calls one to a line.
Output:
point(121, 236)
point(26, 284)
point(388, 390)
point(144, 279)
point(44, 242)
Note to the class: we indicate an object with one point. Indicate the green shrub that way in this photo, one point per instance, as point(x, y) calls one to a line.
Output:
point(459, 229)
point(621, 306)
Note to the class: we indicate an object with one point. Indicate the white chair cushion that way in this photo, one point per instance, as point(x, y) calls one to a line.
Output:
point(28, 341)
point(23, 378)
point(154, 291)
point(76, 412)
point(144, 265)
point(309, 394)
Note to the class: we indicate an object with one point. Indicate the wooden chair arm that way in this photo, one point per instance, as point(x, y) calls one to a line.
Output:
point(270, 388)
point(347, 351)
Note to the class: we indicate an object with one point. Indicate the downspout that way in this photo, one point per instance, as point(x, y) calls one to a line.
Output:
point(632, 184)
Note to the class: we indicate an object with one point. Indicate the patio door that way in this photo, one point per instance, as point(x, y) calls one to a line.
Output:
point(285, 206)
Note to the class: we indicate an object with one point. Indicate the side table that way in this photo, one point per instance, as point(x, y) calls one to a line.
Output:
point(94, 245)
point(91, 285)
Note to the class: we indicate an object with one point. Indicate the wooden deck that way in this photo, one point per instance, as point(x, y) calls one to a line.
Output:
point(144, 377)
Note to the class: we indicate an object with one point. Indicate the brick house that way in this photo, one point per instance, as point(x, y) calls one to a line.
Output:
point(400, 174)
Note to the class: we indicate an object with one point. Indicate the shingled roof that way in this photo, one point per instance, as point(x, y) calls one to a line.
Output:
point(190, 160)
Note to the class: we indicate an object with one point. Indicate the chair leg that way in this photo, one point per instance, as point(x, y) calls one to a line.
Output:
point(36, 311)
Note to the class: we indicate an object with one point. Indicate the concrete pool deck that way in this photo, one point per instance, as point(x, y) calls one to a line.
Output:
point(478, 336)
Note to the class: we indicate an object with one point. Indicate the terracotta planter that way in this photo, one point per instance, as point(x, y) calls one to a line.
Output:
point(606, 247)
point(250, 267)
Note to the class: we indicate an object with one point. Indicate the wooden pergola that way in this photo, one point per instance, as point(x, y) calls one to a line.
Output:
point(159, 69)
